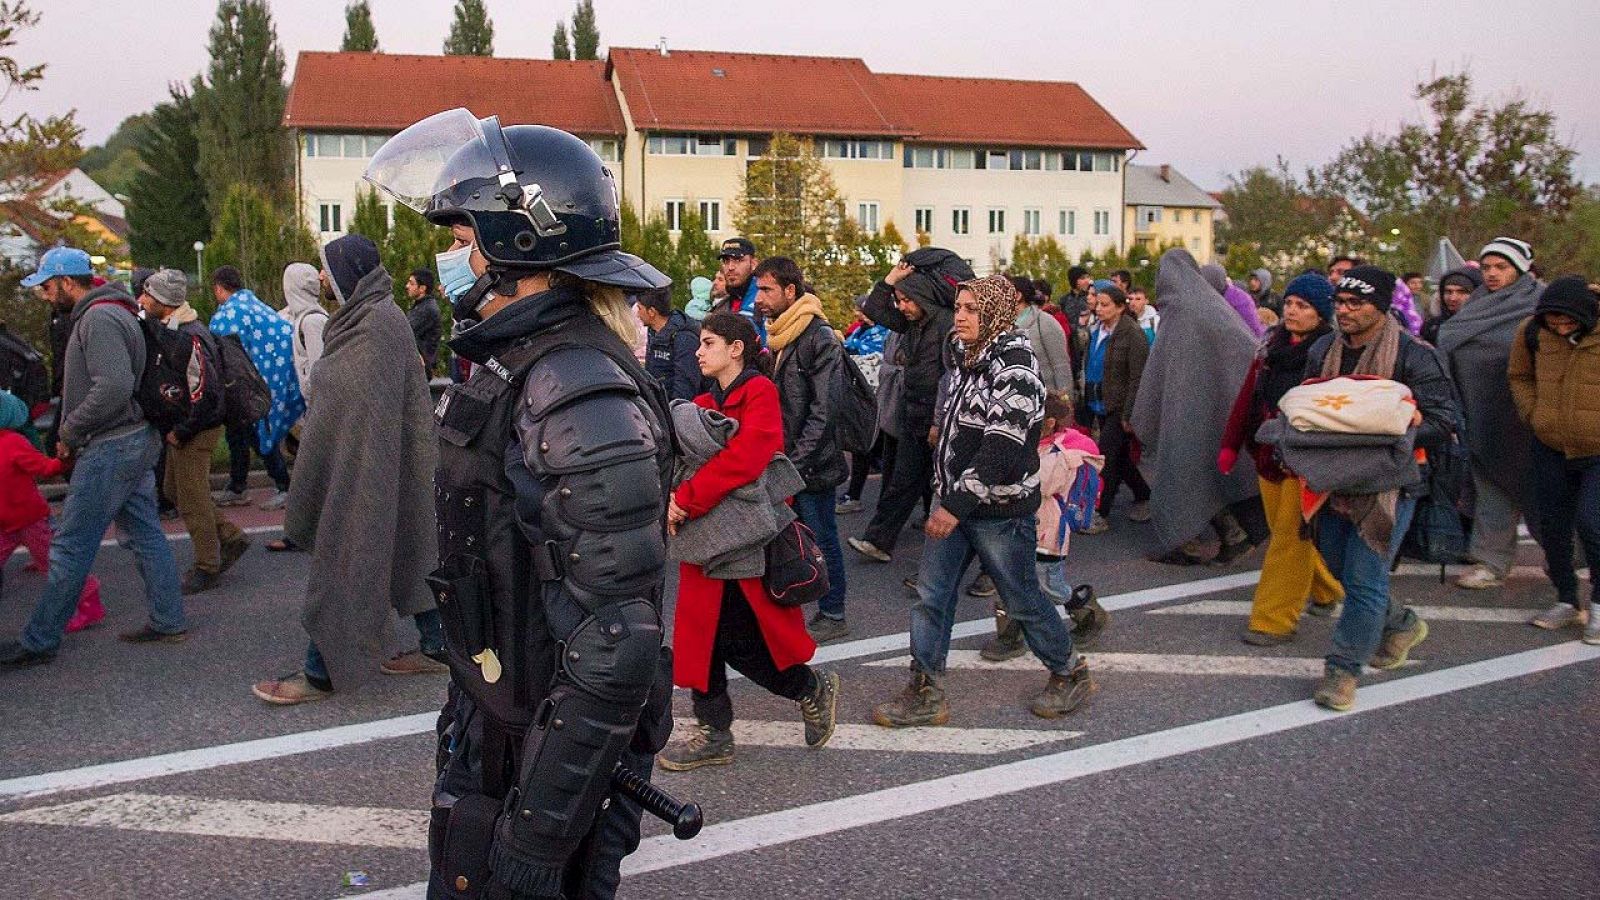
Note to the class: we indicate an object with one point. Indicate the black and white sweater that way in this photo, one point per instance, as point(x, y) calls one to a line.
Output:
point(987, 459)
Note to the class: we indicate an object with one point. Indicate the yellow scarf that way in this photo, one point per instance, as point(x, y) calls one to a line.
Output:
point(791, 322)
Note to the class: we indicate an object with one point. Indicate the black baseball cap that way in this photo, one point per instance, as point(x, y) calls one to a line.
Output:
point(737, 247)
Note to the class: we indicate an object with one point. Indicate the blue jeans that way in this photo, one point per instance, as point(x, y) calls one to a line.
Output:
point(1567, 492)
point(816, 510)
point(114, 481)
point(1370, 611)
point(430, 640)
point(1005, 548)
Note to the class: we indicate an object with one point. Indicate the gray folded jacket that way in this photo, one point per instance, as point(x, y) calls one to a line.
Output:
point(729, 542)
point(1345, 464)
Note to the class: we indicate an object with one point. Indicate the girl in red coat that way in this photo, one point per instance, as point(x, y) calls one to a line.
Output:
point(735, 623)
point(24, 516)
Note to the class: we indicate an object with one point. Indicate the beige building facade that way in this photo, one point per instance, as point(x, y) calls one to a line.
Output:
point(1164, 208)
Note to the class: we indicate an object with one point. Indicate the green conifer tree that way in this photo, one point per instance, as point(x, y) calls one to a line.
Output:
point(167, 199)
point(359, 34)
point(560, 47)
point(471, 31)
point(585, 33)
point(240, 103)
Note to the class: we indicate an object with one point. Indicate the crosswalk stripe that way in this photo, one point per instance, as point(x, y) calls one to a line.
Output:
point(848, 736)
point(1241, 608)
point(1143, 663)
point(1429, 570)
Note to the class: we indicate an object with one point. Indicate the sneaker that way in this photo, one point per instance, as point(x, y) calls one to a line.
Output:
point(412, 662)
point(1559, 616)
point(148, 635)
point(982, 586)
point(1064, 693)
point(1007, 642)
point(197, 581)
point(231, 551)
point(1088, 622)
point(868, 549)
point(1323, 610)
point(290, 690)
point(1397, 645)
point(1257, 638)
point(1480, 578)
point(825, 628)
point(231, 498)
point(1591, 632)
point(1337, 690)
point(15, 656)
point(1097, 525)
point(920, 703)
point(819, 707)
point(276, 501)
point(706, 747)
point(847, 506)
point(1139, 512)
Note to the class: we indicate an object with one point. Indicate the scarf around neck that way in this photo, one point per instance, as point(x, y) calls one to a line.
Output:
point(1377, 358)
point(1373, 514)
point(792, 322)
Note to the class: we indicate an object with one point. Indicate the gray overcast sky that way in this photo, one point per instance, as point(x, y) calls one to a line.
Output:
point(1211, 87)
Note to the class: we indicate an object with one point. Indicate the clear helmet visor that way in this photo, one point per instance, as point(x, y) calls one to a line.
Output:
point(432, 155)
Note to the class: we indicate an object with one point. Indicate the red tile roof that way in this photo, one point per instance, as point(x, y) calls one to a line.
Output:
point(387, 91)
point(754, 93)
point(1005, 112)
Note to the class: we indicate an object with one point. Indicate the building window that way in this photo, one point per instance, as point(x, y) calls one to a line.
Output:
point(1194, 244)
point(923, 215)
point(375, 142)
point(1052, 162)
point(691, 145)
point(998, 159)
point(1197, 217)
point(840, 149)
point(960, 221)
point(675, 210)
point(1102, 221)
point(997, 221)
point(605, 148)
point(330, 218)
point(1068, 222)
point(867, 215)
point(711, 215)
point(1147, 216)
point(1030, 222)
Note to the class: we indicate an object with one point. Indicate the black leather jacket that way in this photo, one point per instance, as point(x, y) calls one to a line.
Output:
point(810, 378)
point(920, 351)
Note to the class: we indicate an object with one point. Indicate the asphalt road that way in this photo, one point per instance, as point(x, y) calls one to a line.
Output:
point(1198, 770)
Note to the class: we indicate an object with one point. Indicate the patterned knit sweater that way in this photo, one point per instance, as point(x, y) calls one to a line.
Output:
point(987, 461)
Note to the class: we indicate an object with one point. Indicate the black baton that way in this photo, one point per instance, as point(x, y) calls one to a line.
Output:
point(685, 818)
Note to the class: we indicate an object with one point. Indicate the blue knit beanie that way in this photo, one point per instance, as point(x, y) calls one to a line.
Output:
point(1315, 290)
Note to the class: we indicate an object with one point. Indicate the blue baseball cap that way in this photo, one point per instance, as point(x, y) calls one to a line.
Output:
point(59, 261)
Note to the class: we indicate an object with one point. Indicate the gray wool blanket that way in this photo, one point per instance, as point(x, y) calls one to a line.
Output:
point(362, 495)
point(729, 542)
point(1346, 464)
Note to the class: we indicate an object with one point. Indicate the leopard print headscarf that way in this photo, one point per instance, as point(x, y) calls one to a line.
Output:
point(997, 312)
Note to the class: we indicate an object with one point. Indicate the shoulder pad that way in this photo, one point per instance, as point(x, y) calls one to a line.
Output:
point(568, 374)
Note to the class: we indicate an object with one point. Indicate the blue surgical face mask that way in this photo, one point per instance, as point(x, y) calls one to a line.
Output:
point(455, 271)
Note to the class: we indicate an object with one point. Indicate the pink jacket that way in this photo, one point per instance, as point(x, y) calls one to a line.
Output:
point(1060, 455)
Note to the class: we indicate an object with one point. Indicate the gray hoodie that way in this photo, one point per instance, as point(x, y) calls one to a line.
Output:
point(302, 291)
point(104, 359)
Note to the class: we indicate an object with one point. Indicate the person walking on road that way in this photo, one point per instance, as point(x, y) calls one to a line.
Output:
point(1455, 287)
point(113, 451)
point(1555, 382)
point(987, 480)
point(268, 339)
point(673, 340)
point(1115, 365)
point(424, 317)
point(724, 615)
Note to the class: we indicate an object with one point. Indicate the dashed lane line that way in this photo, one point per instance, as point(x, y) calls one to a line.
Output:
point(1142, 663)
point(1241, 608)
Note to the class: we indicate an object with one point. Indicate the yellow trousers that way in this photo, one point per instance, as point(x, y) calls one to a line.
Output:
point(1293, 570)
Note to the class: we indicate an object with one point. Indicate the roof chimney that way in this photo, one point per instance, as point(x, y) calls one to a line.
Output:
point(1166, 172)
point(661, 46)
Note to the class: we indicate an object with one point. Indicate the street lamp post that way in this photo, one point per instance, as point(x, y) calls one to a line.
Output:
point(199, 261)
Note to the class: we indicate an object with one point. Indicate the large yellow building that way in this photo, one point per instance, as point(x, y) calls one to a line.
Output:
point(971, 163)
point(1162, 208)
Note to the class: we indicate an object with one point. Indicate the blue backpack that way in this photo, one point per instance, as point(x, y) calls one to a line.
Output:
point(1077, 508)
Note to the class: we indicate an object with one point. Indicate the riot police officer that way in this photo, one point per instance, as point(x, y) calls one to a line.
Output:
point(551, 491)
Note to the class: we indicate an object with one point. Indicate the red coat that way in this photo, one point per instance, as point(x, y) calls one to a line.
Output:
point(753, 403)
point(20, 466)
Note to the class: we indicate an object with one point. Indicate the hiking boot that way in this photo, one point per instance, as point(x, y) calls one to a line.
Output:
point(1336, 691)
point(921, 702)
point(982, 586)
point(1064, 693)
point(1256, 638)
point(868, 549)
point(847, 506)
point(1007, 642)
point(1139, 512)
point(1230, 551)
point(231, 498)
point(276, 501)
point(231, 551)
point(707, 746)
point(412, 662)
point(196, 581)
point(1097, 525)
point(1323, 610)
point(1088, 621)
point(290, 690)
point(819, 709)
point(15, 656)
point(1560, 616)
point(1480, 578)
point(825, 628)
point(148, 635)
point(1397, 646)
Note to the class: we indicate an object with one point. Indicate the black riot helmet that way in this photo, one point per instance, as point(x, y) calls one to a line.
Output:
point(537, 198)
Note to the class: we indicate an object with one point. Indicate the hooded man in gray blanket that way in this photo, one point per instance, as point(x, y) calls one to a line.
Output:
point(362, 495)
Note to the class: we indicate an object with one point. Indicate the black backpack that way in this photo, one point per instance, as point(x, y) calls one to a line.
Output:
point(22, 370)
point(163, 391)
point(857, 424)
point(246, 399)
point(796, 573)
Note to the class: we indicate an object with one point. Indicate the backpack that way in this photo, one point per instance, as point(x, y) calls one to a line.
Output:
point(246, 399)
point(22, 370)
point(857, 426)
point(163, 389)
point(796, 573)
point(1077, 508)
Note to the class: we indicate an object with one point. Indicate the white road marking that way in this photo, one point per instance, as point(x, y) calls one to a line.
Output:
point(1143, 663)
point(176, 536)
point(360, 826)
point(1241, 608)
point(832, 816)
point(903, 740)
point(1427, 570)
point(138, 769)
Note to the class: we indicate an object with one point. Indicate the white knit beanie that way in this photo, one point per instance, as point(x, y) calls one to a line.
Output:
point(1520, 253)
